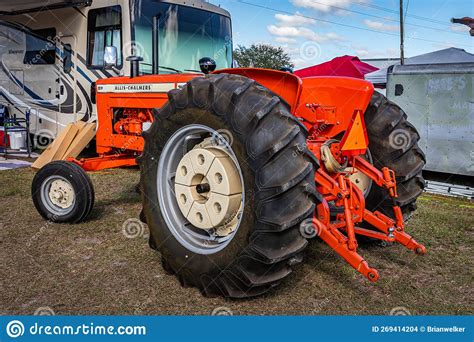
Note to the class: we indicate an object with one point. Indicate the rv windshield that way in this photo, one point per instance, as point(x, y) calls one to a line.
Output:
point(185, 35)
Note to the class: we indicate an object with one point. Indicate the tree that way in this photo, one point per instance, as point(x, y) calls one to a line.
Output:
point(262, 56)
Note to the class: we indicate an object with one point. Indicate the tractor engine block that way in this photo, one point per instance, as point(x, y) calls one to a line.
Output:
point(130, 121)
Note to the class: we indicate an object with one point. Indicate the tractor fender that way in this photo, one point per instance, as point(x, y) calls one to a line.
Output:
point(283, 84)
point(328, 103)
point(325, 103)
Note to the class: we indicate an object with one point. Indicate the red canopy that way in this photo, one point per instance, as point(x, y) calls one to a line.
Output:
point(349, 66)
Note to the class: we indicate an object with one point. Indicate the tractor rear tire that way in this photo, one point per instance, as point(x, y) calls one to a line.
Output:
point(278, 193)
point(393, 143)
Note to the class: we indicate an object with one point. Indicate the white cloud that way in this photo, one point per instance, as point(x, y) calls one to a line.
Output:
point(326, 6)
point(284, 31)
point(392, 52)
point(301, 63)
point(459, 28)
point(303, 32)
point(286, 40)
point(380, 26)
point(365, 52)
point(334, 37)
point(291, 50)
point(294, 20)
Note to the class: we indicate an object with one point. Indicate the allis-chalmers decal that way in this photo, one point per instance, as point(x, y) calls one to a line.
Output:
point(137, 88)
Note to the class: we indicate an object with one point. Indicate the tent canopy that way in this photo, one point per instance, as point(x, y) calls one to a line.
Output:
point(348, 66)
point(14, 7)
point(446, 56)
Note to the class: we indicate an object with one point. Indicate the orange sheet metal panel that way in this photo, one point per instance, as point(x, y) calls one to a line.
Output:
point(327, 104)
point(126, 92)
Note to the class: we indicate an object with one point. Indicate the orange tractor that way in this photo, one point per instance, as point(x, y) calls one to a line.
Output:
point(241, 167)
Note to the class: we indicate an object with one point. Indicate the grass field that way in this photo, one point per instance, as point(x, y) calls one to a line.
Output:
point(93, 268)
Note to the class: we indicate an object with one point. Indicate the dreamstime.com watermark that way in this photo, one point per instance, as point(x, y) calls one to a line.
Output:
point(133, 228)
point(222, 311)
point(43, 138)
point(308, 229)
point(310, 51)
point(50, 45)
point(16, 328)
point(400, 139)
point(400, 311)
point(40, 231)
point(44, 311)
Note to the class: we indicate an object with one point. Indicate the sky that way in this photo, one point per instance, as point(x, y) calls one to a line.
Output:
point(315, 31)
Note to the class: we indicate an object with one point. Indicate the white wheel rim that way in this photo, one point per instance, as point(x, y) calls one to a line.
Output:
point(208, 189)
point(202, 222)
point(61, 193)
point(58, 195)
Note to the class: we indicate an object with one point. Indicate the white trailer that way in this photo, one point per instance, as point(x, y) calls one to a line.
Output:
point(439, 100)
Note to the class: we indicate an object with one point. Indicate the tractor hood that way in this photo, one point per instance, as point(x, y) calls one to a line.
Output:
point(14, 7)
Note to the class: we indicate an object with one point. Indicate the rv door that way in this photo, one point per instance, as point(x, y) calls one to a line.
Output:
point(67, 87)
point(41, 80)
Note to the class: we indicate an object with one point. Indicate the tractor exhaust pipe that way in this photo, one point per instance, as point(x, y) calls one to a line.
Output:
point(134, 65)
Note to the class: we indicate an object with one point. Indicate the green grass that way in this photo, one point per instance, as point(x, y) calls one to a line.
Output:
point(92, 268)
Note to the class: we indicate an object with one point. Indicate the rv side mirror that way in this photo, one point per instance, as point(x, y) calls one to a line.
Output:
point(110, 57)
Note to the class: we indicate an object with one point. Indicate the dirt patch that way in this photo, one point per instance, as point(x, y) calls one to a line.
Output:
point(94, 268)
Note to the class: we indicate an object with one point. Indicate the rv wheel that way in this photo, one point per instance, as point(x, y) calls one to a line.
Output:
point(62, 192)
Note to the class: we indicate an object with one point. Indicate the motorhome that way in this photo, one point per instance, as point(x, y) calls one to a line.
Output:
point(52, 52)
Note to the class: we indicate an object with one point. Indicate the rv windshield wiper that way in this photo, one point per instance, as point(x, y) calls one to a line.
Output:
point(191, 70)
point(171, 69)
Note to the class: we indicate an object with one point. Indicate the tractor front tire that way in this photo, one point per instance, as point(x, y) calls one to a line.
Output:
point(266, 147)
point(393, 143)
point(62, 192)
